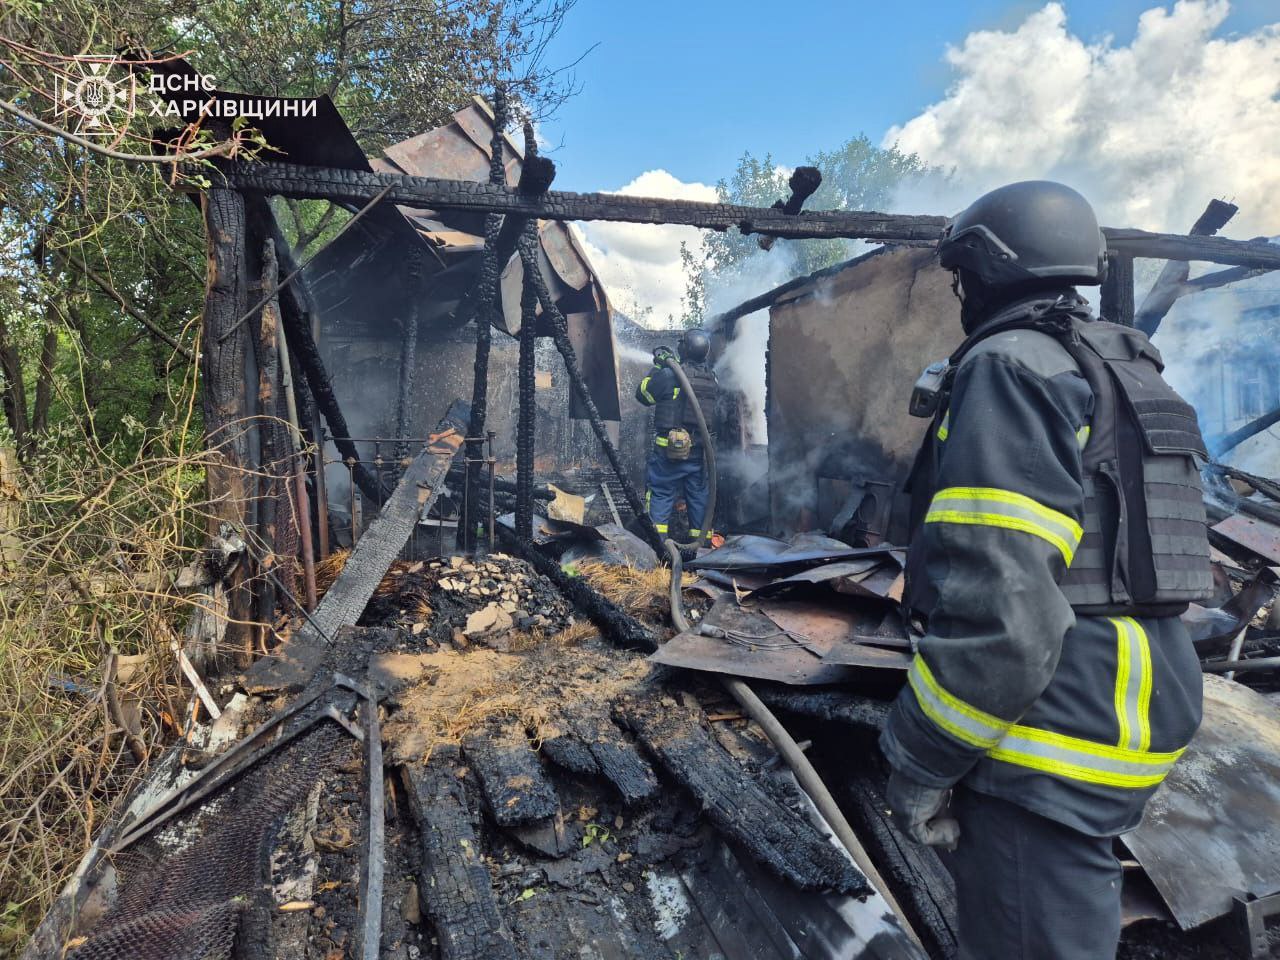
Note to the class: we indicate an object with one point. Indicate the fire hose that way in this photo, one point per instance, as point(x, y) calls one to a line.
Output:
point(755, 708)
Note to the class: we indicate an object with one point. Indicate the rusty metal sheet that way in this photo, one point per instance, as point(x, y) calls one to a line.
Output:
point(1212, 830)
point(781, 557)
point(592, 337)
point(827, 653)
point(569, 265)
point(872, 577)
point(840, 628)
point(1251, 533)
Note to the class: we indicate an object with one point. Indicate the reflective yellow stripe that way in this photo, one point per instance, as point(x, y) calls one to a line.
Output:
point(1054, 753)
point(1133, 683)
point(675, 394)
point(992, 507)
point(660, 527)
point(944, 428)
point(1084, 760)
point(962, 720)
point(644, 390)
point(661, 441)
point(1082, 436)
point(694, 532)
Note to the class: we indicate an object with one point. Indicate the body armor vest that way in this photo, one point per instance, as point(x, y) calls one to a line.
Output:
point(1145, 550)
point(669, 414)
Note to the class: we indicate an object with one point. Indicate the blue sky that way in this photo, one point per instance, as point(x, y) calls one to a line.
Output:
point(687, 86)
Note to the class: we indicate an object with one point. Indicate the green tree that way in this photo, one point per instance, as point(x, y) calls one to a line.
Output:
point(856, 176)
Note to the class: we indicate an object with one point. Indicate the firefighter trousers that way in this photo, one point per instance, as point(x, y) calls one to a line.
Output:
point(1029, 888)
point(671, 480)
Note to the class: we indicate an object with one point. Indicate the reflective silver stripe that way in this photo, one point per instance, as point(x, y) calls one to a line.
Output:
point(962, 720)
point(1133, 683)
point(993, 507)
point(1077, 759)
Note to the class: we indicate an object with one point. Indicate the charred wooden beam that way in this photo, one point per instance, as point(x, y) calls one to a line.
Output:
point(222, 377)
point(1174, 246)
point(841, 706)
point(919, 880)
point(739, 804)
point(453, 879)
point(613, 622)
point(511, 776)
point(1221, 278)
point(294, 664)
point(487, 297)
point(1228, 441)
point(294, 180)
point(1170, 284)
point(592, 744)
point(1117, 290)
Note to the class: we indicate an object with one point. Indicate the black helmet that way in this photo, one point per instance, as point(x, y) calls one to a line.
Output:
point(1025, 232)
point(694, 346)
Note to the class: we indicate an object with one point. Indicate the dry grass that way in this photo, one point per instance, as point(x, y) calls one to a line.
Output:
point(91, 545)
point(641, 593)
point(461, 692)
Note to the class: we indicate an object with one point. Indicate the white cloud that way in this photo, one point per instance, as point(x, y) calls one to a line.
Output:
point(1150, 132)
point(640, 263)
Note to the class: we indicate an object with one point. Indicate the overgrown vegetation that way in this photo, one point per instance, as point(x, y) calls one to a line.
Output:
point(102, 271)
point(856, 176)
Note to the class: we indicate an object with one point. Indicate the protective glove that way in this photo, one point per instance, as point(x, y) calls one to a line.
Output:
point(921, 812)
point(661, 355)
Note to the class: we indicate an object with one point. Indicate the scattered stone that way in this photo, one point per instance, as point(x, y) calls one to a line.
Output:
point(490, 620)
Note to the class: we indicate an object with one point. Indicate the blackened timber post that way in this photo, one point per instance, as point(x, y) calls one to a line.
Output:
point(490, 272)
point(222, 376)
point(1117, 290)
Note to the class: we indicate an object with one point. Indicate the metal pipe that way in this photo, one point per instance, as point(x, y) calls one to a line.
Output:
point(1232, 667)
point(1236, 646)
point(322, 487)
point(492, 464)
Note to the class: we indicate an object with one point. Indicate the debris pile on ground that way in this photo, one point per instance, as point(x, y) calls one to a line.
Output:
point(494, 600)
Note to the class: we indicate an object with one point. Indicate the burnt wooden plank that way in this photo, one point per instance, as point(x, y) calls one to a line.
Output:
point(619, 760)
point(511, 776)
point(453, 881)
point(839, 705)
point(736, 801)
point(292, 666)
point(915, 872)
point(591, 744)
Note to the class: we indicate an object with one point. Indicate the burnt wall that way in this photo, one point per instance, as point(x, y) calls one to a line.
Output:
point(844, 353)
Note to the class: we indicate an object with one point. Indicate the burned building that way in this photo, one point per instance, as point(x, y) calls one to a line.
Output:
point(481, 753)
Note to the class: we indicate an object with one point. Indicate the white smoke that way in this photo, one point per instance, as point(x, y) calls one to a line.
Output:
point(1150, 132)
point(742, 364)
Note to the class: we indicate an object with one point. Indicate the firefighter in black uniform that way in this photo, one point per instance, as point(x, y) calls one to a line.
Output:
point(1057, 533)
point(675, 468)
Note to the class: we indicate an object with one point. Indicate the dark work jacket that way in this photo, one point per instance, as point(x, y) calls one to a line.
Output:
point(660, 389)
point(1076, 718)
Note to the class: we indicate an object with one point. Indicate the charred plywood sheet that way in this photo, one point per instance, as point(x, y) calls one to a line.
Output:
point(844, 353)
